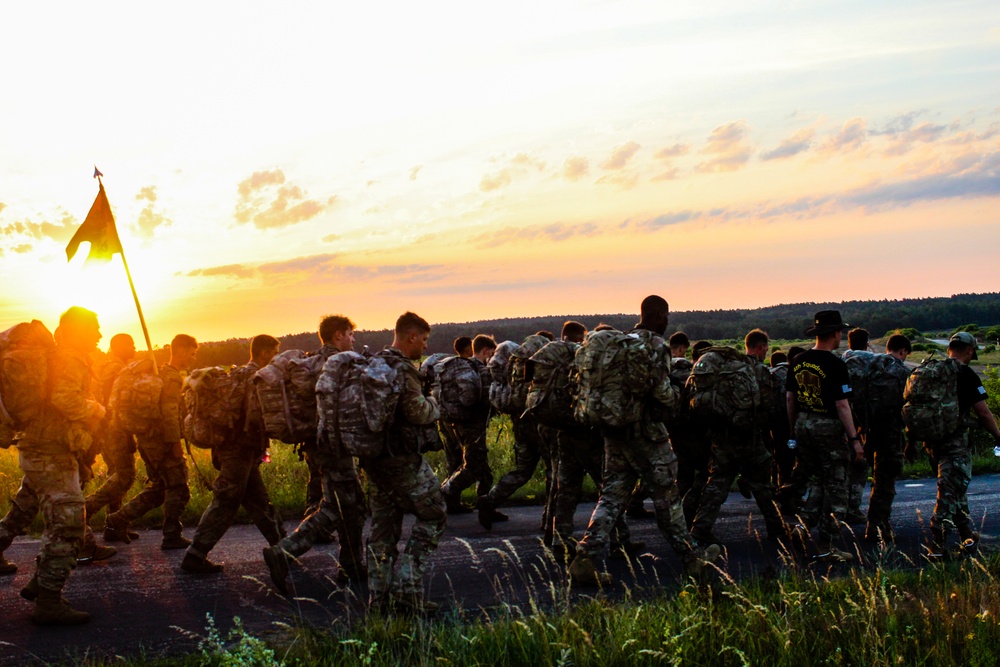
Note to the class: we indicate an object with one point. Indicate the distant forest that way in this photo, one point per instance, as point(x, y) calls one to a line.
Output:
point(940, 314)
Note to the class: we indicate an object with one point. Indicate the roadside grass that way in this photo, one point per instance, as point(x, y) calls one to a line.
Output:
point(940, 615)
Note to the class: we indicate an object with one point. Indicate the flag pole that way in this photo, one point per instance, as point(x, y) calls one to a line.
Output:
point(135, 297)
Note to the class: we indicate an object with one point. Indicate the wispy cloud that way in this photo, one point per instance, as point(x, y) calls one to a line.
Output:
point(149, 218)
point(729, 146)
point(621, 156)
point(269, 204)
point(557, 231)
point(519, 165)
point(313, 267)
point(665, 158)
point(851, 137)
point(21, 236)
point(799, 142)
point(414, 171)
point(575, 168)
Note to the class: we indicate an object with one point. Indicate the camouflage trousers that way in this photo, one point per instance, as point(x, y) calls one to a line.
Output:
point(824, 459)
point(475, 466)
point(693, 448)
point(400, 485)
point(579, 452)
point(54, 480)
point(952, 458)
point(238, 484)
point(167, 485)
point(857, 478)
point(884, 452)
point(737, 453)
point(314, 487)
point(628, 457)
point(343, 510)
point(453, 456)
point(119, 455)
point(529, 449)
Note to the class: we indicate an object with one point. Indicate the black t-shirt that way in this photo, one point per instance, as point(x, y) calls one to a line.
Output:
point(818, 379)
point(970, 389)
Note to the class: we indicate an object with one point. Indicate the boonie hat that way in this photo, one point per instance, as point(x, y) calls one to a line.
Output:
point(965, 338)
point(826, 321)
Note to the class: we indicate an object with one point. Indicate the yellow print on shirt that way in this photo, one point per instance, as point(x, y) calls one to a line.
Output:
point(809, 378)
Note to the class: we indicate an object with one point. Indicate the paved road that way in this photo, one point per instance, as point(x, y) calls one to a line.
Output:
point(143, 604)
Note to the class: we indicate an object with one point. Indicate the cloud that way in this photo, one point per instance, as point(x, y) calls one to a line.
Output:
point(330, 238)
point(556, 231)
point(21, 236)
point(2, 206)
point(668, 175)
point(323, 266)
point(670, 152)
point(575, 168)
point(923, 133)
point(659, 221)
point(414, 171)
point(797, 143)
point(899, 124)
point(851, 137)
point(620, 156)
point(269, 204)
point(518, 166)
point(149, 219)
point(623, 179)
point(730, 147)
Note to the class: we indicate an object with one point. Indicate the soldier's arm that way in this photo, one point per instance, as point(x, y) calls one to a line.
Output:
point(68, 396)
point(847, 420)
point(664, 391)
point(791, 408)
point(986, 418)
point(170, 406)
point(417, 408)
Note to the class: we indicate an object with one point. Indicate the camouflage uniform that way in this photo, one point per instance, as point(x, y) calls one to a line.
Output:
point(116, 447)
point(737, 453)
point(824, 456)
point(166, 469)
point(884, 450)
point(401, 482)
point(529, 449)
point(48, 453)
point(239, 482)
point(691, 443)
point(642, 451)
point(471, 436)
point(308, 452)
point(951, 458)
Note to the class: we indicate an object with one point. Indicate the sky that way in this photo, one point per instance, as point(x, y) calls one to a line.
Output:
point(270, 163)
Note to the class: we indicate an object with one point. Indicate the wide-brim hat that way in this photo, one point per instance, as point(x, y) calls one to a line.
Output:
point(826, 321)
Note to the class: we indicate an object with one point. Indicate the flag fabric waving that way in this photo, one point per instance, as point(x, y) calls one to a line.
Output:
point(99, 229)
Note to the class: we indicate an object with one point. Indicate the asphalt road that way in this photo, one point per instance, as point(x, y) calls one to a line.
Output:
point(143, 604)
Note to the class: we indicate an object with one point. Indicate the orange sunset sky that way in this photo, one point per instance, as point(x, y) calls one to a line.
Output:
point(269, 163)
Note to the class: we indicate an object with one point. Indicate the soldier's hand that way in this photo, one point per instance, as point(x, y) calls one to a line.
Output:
point(859, 452)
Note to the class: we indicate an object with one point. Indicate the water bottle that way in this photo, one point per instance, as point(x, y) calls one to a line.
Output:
point(996, 451)
point(792, 445)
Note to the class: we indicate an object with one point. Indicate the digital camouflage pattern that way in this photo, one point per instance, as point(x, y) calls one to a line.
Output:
point(529, 449)
point(25, 351)
point(118, 451)
point(500, 385)
point(951, 457)
point(725, 385)
point(272, 386)
point(519, 371)
point(824, 457)
point(611, 376)
point(931, 408)
point(356, 398)
point(550, 396)
point(458, 388)
point(211, 415)
point(135, 397)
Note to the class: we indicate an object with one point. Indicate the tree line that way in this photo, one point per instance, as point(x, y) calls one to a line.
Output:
point(979, 312)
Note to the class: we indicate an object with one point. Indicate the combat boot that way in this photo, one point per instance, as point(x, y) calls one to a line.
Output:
point(413, 604)
point(93, 552)
point(583, 573)
point(116, 529)
point(833, 556)
point(486, 511)
point(348, 572)
point(194, 565)
point(6, 567)
point(694, 566)
point(936, 551)
point(30, 590)
point(177, 541)
point(51, 609)
point(970, 542)
point(277, 565)
point(453, 503)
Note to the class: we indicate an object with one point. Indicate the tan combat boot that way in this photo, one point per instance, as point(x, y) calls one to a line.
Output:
point(583, 572)
point(51, 609)
point(695, 565)
point(6, 567)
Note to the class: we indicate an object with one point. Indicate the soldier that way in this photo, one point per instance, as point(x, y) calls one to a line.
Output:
point(471, 435)
point(529, 449)
point(784, 458)
point(238, 461)
point(884, 447)
point(739, 452)
point(162, 452)
point(689, 439)
point(819, 414)
point(48, 449)
point(119, 447)
point(401, 481)
point(857, 343)
point(952, 456)
point(642, 451)
point(343, 509)
point(451, 441)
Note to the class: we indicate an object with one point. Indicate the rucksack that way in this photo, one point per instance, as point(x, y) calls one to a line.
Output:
point(519, 372)
point(458, 388)
point(135, 397)
point(25, 353)
point(213, 407)
point(725, 386)
point(272, 385)
point(930, 411)
point(356, 397)
point(877, 384)
point(550, 399)
point(611, 375)
point(500, 385)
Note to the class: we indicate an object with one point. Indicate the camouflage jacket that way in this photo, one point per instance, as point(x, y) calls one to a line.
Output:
point(250, 434)
point(664, 399)
point(71, 410)
point(415, 412)
point(109, 372)
point(171, 415)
